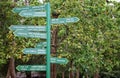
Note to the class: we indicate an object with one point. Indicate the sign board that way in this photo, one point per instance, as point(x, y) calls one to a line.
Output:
point(32, 8)
point(59, 60)
point(64, 20)
point(27, 28)
point(29, 34)
point(34, 51)
point(32, 32)
point(31, 68)
point(32, 14)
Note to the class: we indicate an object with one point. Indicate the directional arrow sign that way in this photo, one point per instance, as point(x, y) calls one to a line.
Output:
point(32, 8)
point(31, 68)
point(32, 14)
point(59, 60)
point(41, 45)
point(64, 20)
point(23, 33)
point(34, 51)
point(27, 28)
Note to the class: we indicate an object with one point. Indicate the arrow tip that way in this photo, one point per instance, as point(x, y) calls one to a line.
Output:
point(15, 33)
point(23, 51)
point(17, 68)
point(13, 10)
point(67, 61)
point(20, 13)
point(77, 19)
point(10, 28)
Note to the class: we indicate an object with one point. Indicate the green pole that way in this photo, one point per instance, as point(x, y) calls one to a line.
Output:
point(48, 39)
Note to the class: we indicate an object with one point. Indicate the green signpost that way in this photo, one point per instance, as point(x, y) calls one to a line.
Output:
point(34, 51)
point(28, 8)
point(48, 39)
point(43, 32)
point(59, 60)
point(64, 20)
point(31, 67)
point(23, 33)
point(32, 14)
point(27, 28)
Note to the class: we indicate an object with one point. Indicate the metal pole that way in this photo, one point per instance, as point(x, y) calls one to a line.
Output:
point(48, 39)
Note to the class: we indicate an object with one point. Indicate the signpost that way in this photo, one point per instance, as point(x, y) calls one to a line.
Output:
point(59, 60)
point(43, 32)
point(34, 51)
point(32, 14)
point(31, 68)
point(48, 28)
point(27, 28)
point(22, 33)
point(64, 20)
point(32, 8)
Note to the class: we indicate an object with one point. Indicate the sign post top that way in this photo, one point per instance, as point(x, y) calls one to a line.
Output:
point(29, 34)
point(32, 14)
point(31, 67)
point(27, 28)
point(64, 20)
point(32, 8)
point(59, 60)
point(34, 51)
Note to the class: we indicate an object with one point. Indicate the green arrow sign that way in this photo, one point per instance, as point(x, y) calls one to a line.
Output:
point(27, 28)
point(64, 20)
point(59, 60)
point(41, 45)
point(32, 8)
point(34, 51)
point(32, 14)
point(23, 33)
point(31, 68)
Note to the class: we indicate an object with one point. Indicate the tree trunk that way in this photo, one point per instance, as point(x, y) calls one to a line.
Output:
point(28, 75)
point(11, 69)
point(96, 75)
point(86, 76)
point(54, 50)
point(77, 73)
point(71, 72)
point(54, 71)
point(15, 0)
point(8, 74)
point(26, 2)
point(63, 74)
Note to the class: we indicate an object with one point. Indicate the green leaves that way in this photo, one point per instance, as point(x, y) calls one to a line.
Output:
point(92, 41)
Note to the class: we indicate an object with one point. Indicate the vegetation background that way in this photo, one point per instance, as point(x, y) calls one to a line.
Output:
point(91, 45)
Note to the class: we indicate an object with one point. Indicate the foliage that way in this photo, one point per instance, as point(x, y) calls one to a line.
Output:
point(12, 46)
point(92, 44)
